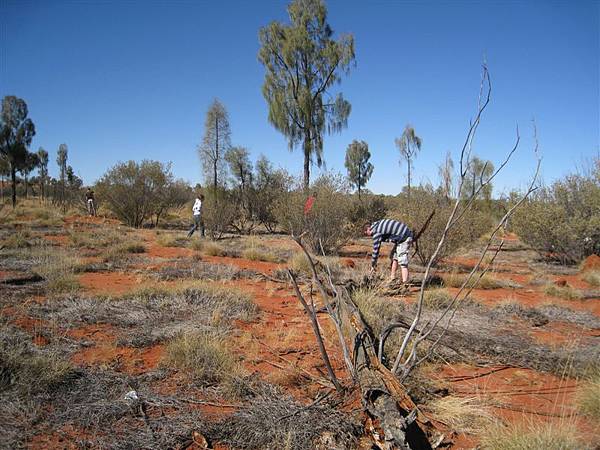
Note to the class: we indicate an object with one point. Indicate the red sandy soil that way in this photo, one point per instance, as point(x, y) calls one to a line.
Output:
point(156, 251)
point(530, 297)
point(560, 334)
point(520, 396)
point(105, 352)
point(114, 283)
point(61, 239)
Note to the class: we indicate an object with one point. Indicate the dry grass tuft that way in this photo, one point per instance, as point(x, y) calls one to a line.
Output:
point(540, 436)
point(58, 268)
point(436, 298)
point(567, 292)
point(205, 355)
point(213, 249)
point(588, 397)
point(464, 414)
point(259, 254)
point(16, 240)
point(456, 280)
point(592, 277)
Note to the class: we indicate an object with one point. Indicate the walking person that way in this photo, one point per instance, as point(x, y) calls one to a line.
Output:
point(90, 202)
point(389, 230)
point(197, 215)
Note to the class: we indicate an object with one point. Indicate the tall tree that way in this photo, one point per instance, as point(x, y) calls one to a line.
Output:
point(302, 64)
point(30, 163)
point(16, 133)
point(216, 141)
point(445, 171)
point(409, 145)
point(43, 170)
point(61, 159)
point(358, 165)
point(478, 173)
point(240, 166)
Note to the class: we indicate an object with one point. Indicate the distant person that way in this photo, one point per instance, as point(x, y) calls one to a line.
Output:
point(389, 230)
point(90, 202)
point(197, 215)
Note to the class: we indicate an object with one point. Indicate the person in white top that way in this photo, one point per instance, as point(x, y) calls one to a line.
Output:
point(197, 215)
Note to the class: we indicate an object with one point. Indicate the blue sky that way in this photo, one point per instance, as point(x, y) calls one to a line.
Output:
point(118, 80)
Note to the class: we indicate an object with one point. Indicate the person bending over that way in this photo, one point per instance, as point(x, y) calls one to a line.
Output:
point(389, 230)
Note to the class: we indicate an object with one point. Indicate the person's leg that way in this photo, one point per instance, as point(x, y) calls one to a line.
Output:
point(194, 227)
point(402, 258)
point(394, 269)
point(201, 227)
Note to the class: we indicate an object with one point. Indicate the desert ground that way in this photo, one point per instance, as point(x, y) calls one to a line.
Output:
point(113, 337)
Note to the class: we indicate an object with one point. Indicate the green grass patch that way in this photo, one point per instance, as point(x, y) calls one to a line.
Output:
point(258, 254)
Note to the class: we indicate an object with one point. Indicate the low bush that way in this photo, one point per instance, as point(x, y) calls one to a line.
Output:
point(327, 223)
point(562, 221)
point(423, 201)
point(205, 355)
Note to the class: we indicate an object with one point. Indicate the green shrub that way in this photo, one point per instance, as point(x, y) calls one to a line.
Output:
point(562, 221)
point(423, 201)
point(219, 211)
point(328, 223)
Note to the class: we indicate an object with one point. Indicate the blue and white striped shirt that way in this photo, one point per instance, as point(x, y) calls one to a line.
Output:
point(388, 230)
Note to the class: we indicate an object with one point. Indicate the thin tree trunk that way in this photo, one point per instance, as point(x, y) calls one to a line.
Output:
point(13, 176)
point(306, 161)
point(408, 160)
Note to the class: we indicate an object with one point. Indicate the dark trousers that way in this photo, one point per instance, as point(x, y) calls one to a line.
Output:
point(198, 223)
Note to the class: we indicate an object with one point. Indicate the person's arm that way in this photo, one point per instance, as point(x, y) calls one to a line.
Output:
point(377, 238)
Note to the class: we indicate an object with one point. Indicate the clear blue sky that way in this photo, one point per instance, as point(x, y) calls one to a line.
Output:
point(118, 80)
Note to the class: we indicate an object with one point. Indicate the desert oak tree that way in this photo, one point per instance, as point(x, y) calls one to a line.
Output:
point(216, 141)
point(409, 144)
point(16, 132)
point(358, 165)
point(302, 64)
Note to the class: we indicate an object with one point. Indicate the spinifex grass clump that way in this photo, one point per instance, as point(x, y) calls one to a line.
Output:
point(567, 292)
point(58, 268)
point(205, 355)
point(562, 436)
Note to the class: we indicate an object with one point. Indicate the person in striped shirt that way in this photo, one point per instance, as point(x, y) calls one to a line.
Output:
point(389, 230)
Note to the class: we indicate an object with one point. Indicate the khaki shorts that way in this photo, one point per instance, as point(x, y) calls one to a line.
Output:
point(401, 253)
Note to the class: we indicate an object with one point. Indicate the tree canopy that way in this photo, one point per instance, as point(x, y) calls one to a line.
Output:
point(409, 144)
point(302, 64)
point(358, 165)
point(215, 142)
point(16, 132)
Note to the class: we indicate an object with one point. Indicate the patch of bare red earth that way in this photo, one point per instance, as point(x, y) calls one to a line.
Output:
point(108, 283)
